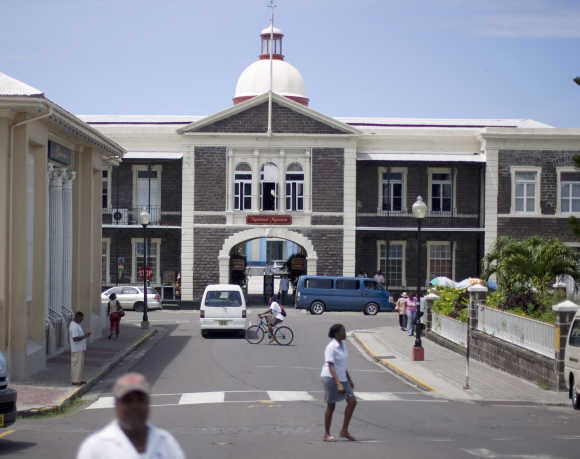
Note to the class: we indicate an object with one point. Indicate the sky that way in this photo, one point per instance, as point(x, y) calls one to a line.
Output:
point(375, 58)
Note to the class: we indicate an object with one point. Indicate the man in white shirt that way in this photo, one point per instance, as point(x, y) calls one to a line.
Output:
point(130, 436)
point(273, 316)
point(78, 346)
point(284, 285)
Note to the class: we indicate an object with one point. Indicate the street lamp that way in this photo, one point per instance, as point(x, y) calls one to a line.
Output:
point(419, 211)
point(577, 80)
point(144, 219)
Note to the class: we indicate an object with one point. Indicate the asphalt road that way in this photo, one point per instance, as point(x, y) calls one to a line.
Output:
point(266, 401)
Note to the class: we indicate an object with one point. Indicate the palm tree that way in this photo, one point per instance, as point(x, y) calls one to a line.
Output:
point(530, 264)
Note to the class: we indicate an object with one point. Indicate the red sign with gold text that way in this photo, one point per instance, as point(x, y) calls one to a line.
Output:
point(269, 219)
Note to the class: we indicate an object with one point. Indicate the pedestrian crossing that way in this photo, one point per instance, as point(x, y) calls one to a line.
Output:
point(267, 396)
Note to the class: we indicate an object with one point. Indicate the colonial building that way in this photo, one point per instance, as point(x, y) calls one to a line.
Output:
point(50, 224)
point(270, 167)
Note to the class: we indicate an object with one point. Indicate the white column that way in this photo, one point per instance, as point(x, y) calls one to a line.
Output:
point(256, 182)
point(55, 240)
point(282, 182)
point(68, 179)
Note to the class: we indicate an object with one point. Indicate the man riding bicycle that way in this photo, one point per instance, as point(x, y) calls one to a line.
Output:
point(273, 316)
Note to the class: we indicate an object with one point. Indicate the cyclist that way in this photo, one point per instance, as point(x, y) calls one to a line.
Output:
point(273, 316)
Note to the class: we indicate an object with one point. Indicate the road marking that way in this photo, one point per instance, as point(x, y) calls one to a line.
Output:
point(484, 452)
point(289, 396)
point(376, 396)
point(316, 368)
point(102, 402)
point(199, 398)
point(8, 432)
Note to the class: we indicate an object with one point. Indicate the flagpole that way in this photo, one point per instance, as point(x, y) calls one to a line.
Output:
point(271, 44)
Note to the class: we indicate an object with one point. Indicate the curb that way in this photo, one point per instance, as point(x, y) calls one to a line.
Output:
point(407, 376)
point(90, 382)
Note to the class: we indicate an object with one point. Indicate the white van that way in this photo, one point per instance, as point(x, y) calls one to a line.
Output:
point(223, 307)
point(7, 396)
point(572, 361)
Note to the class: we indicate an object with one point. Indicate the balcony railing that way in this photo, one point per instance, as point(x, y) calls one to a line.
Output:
point(430, 213)
point(130, 217)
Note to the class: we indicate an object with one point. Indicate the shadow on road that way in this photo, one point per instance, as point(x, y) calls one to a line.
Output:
point(10, 447)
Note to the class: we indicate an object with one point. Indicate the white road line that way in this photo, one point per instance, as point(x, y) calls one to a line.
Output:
point(376, 396)
point(289, 396)
point(316, 368)
point(102, 402)
point(198, 398)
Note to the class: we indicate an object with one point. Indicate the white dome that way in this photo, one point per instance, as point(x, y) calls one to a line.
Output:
point(255, 79)
point(268, 30)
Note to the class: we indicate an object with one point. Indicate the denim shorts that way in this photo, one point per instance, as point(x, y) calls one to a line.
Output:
point(331, 393)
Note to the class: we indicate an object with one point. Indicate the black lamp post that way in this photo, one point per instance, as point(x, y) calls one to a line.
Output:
point(577, 80)
point(419, 211)
point(144, 218)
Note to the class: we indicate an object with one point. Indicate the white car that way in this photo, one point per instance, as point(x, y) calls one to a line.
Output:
point(7, 396)
point(132, 297)
point(572, 361)
point(223, 307)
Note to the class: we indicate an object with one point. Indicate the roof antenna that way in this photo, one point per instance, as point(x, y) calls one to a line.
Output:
point(271, 5)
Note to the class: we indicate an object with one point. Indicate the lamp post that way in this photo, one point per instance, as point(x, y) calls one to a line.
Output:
point(577, 80)
point(419, 211)
point(144, 218)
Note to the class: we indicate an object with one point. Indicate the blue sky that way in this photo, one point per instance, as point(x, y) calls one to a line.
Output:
point(413, 58)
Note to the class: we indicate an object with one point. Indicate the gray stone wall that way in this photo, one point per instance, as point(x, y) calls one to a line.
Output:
point(210, 179)
point(284, 120)
point(521, 228)
point(326, 220)
point(209, 219)
point(328, 246)
point(327, 180)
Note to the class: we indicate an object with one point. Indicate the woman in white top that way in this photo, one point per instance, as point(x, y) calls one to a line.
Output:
point(337, 382)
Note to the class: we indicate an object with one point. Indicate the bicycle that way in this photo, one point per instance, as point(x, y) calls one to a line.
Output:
point(283, 334)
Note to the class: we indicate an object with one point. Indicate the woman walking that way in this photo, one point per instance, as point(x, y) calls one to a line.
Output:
point(337, 383)
point(401, 308)
point(411, 314)
point(115, 312)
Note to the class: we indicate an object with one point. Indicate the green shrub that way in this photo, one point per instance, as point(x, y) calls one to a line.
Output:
point(452, 303)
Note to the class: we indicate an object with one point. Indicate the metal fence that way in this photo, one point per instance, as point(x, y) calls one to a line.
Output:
point(450, 328)
point(528, 333)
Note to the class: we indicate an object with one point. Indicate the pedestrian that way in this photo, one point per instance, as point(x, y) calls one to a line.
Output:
point(284, 284)
point(78, 346)
point(411, 314)
point(274, 315)
point(115, 312)
point(401, 308)
point(379, 278)
point(130, 436)
point(337, 382)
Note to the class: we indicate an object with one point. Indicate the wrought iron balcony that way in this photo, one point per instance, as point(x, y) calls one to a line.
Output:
point(130, 217)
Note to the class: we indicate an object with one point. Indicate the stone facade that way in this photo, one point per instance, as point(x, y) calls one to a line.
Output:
point(328, 186)
point(210, 179)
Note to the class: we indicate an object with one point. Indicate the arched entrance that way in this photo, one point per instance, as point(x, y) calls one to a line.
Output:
point(257, 233)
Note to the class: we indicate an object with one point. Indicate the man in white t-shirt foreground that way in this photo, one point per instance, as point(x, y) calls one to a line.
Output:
point(273, 316)
point(130, 436)
point(78, 346)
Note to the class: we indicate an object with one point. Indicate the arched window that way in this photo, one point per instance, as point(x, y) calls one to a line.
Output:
point(294, 187)
point(243, 187)
point(269, 178)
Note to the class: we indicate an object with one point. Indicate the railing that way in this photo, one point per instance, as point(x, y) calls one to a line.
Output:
point(430, 213)
point(450, 328)
point(528, 333)
point(130, 216)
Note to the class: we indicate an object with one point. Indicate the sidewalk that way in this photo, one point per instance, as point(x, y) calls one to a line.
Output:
point(443, 371)
point(51, 388)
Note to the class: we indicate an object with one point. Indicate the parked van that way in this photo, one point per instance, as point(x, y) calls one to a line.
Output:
point(223, 307)
point(7, 396)
point(328, 293)
point(572, 361)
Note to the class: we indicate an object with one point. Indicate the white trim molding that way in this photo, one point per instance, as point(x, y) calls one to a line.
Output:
point(396, 170)
point(428, 254)
point(538, 187)
point(106, 245)
point(153, 241)
point(382, 242)
point(559, 171)
point(453, 179)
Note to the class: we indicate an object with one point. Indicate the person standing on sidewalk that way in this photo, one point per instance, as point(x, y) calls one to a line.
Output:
point(284, 285)
point(130, 436)
point(336, 381)
point(411, 314)
point(78, 346)
point(115, 312)
point(401, 308)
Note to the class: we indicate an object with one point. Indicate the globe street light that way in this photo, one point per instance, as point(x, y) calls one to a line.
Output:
point(419, 211)
point(144, 219)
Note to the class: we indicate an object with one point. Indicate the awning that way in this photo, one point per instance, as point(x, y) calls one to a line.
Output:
point(152, 155)
point(442, 157)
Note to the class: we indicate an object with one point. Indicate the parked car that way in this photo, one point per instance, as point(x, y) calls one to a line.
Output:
point(327, 293)
point(572, 361)
point(132, 297)
point(278, 267)
point(223, 307)
point(7, 396)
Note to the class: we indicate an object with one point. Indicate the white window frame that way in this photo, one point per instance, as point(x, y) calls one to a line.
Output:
point(109, 181)
point(559, 171)
point(106, 244)
point(154, 241)
point(538, 171)
point(276, 186)
point(397, 170)
point(145, 167)
point(428, 254)
point(242, 183)
point(453, 174)
point(297, 182)
point(380, 244)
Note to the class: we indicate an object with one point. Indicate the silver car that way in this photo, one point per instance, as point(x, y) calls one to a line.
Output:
point(131, 297)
